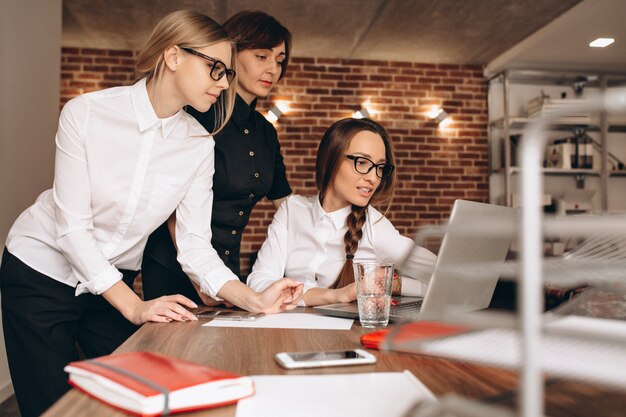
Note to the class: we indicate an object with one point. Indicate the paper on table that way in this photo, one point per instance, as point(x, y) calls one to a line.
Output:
point(288, 321)
point(389, 394)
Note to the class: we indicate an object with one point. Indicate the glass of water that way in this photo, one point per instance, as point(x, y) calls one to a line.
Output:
point(373, 290)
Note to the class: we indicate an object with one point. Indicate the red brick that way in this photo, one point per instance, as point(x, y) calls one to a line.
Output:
point(433, 166)
point(334, 61)
point(315, 68)
point(302, 60)
point(88, 51)
point(107, 60)
point(123, 69)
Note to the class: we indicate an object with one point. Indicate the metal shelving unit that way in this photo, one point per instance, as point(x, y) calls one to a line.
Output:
point(594, 353)
point(501, 128)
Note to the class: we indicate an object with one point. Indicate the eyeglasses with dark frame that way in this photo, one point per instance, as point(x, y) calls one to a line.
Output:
point(364, 165)
point(218, 69)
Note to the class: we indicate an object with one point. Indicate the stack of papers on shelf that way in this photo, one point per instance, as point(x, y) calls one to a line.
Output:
point(540, 106)
point(378, 394)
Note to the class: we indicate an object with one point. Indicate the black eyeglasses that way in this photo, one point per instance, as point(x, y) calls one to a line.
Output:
point(218, 69)
point(364, 165)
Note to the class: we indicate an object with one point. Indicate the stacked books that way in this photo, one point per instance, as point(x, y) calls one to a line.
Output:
point(543, 105)
point(150, 384)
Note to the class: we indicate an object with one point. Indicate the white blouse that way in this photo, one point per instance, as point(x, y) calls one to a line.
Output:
point(306, 243)
point(120, 171)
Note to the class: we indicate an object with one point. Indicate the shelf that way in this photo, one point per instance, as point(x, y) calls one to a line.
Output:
point(562, 124)
point(564, 172)
point(554, 171)
point(511, 91)
point(564, 78)
point(565, 124)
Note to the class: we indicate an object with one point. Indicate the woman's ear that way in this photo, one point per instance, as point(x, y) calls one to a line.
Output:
point(172, 57)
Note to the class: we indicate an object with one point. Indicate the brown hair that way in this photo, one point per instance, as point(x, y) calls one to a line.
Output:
point(189, 29)
point(330, 154)
point(251, 29)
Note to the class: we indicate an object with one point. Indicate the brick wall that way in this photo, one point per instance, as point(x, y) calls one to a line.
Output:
point(435, 165)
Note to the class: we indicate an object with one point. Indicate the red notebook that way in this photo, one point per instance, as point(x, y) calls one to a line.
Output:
point(150, 384)
point(412, 331)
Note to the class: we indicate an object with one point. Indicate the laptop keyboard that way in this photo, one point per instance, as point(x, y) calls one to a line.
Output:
point(398, 310)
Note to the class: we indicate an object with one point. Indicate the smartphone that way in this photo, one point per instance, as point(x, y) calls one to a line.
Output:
point(230, 315)
point(296, 360)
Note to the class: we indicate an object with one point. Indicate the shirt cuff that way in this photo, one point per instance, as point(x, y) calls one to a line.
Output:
point(307, 286)
point(414, 288)
point(100, 283)
point(213, 282)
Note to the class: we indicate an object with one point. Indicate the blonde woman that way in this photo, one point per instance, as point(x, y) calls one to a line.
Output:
point(248, 163)
point(126, 159)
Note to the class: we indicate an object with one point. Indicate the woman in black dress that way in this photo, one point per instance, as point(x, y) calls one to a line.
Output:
point(248, 163)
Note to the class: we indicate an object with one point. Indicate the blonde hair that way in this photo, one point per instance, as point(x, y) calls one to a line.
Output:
point(190, 29)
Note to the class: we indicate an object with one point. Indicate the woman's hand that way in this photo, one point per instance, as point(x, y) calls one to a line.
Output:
point(282, 295)
point(162, 310)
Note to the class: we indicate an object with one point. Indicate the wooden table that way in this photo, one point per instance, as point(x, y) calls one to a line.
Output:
point(251, 351)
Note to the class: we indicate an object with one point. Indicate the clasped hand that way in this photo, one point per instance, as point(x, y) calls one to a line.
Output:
point(282, 295)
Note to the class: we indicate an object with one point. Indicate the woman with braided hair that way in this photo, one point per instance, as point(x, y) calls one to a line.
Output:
point(316, 239)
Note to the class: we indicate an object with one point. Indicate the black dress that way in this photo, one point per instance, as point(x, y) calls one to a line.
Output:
point(248, 167)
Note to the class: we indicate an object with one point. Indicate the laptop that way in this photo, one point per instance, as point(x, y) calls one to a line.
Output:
point(449, 287)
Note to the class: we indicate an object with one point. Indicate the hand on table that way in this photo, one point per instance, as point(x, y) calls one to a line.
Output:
point(163, 309)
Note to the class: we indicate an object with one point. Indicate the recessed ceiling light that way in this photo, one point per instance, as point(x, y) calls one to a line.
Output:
point(601, 42)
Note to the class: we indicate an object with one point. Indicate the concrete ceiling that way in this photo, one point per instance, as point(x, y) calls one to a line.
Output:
point(564, 42)
point(496, 33)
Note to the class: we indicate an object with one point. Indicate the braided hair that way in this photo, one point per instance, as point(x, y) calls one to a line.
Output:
point(330, 154)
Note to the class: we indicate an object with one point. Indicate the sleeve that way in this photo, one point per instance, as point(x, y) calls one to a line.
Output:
point(414, 263)
point(271, 260)
point(280, 184)
point(72, 197)
point(196, 255)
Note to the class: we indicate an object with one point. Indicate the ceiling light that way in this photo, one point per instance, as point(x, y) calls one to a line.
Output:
point(601, 42)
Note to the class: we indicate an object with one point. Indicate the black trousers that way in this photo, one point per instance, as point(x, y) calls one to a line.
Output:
point(45, 324)
point(161, 274)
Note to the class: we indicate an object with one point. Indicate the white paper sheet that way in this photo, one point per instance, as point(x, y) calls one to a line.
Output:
point(379, 394)
point(288, 321)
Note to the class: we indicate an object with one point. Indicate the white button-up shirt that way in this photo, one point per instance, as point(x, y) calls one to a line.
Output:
point(120, 171)
point(306, 243)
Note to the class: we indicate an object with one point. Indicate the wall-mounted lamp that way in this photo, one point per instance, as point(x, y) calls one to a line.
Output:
point(440, 116)
point(361, 114)
point(278, 110)
point(273, 114)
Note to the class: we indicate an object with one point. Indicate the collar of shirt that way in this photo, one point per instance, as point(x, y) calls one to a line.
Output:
point(146, 116)
point(337, 217)
point(242, 110)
